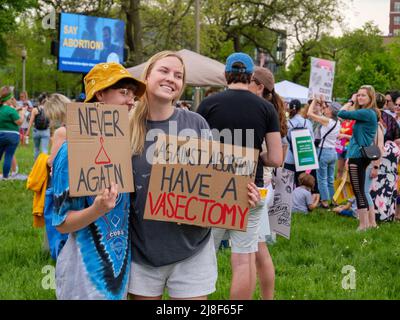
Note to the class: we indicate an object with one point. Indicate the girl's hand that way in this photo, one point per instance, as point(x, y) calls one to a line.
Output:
point(106, 202)
point(254, 195)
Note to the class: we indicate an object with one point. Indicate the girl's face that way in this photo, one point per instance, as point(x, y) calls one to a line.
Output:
point(363, 98)
point(165, 80)
point(397, 106)
point(117, 97)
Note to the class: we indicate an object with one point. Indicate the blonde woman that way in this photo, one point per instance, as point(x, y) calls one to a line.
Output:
point(367, 116)
point(180, 258)
point(55, 110)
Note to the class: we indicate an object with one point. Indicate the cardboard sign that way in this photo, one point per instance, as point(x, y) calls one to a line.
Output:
point(200, 182)
point(321, 78)
point(305, 155)
point(280, 213)
point(98, 148)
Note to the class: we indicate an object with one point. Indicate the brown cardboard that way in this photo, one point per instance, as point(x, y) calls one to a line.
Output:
point(195, 188)
point(98, 148)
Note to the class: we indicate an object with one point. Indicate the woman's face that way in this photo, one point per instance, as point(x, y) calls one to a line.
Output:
point(326, 110)
point(165, 80)
point(117, 97)
point(363, 98)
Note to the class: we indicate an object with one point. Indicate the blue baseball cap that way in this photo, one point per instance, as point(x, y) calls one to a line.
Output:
point(243, 58)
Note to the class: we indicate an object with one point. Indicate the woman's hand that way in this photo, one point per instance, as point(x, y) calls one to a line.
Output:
point(254, 195)
point(106, 202)
point(374, 173)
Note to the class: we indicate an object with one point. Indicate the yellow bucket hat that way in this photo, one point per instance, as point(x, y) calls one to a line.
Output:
point(104, 75)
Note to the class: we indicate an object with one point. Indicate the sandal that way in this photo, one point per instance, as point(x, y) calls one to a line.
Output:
point(321, 205)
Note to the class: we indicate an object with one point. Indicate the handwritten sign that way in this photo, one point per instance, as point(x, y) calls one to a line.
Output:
point(321, 78)
point(200, 182)
point(98, 148)
point(280, 213)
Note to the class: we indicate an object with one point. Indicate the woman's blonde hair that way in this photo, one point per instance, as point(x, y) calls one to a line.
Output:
point(372, 104)
point(139, 115)
point(55, 109)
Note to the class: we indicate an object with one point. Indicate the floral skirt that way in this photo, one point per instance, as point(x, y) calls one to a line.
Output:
point(384, 188)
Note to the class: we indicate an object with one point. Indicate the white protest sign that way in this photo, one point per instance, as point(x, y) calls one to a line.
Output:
point(322, 75)
point(305, 155)
point(280, 213)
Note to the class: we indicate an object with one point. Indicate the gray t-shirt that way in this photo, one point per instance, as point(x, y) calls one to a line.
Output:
point(158, 243)
point(301, 200)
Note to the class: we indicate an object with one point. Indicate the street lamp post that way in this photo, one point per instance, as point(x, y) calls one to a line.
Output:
point(23, 55)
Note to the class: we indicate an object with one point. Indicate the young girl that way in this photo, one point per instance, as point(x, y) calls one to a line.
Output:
point(94, 263)
point(367, 116)
point(180, 258)
point(303, 201)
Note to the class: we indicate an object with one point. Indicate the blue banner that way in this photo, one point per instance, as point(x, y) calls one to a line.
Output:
point(86, 41)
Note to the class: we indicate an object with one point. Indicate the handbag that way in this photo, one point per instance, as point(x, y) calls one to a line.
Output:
point(371, 152)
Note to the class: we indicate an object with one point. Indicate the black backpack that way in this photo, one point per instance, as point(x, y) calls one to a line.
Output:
point(41, 122)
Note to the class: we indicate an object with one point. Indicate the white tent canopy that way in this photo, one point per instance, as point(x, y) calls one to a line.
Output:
point(289, 91)
point(201, 71)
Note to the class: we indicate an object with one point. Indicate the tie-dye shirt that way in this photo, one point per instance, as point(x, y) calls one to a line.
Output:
point(94, 263)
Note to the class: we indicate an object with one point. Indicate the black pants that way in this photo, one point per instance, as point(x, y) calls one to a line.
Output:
point(357, 170)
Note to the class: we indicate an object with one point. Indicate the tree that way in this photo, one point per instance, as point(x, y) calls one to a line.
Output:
point(360, 56)
point(41, 67)
point(9, 10)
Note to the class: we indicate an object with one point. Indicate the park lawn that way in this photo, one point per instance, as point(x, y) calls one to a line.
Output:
point(308, 266)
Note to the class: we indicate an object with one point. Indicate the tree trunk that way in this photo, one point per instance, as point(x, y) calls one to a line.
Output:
point(134, 32)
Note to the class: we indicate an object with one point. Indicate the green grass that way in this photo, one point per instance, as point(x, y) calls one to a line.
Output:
point(308, 266)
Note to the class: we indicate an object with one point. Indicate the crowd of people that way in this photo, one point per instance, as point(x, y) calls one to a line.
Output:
point(340, 134)
point(105, 249)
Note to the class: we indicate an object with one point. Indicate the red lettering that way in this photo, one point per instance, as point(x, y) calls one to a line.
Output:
point(154, 209)
point(172, 206)
point(179, 206)
point(227, 211)
point(206, 202)
point(242, 216)
point(211, 211)
point(187, 209)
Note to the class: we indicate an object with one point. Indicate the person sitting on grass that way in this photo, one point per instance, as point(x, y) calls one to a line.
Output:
point(349, 209)
point(303, 201)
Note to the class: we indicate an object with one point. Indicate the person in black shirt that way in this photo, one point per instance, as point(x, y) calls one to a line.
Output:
point(249, 120)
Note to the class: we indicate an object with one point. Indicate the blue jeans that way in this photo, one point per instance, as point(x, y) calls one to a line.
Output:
point(41, 139)
point(367, 186)
point(8, 144)
point(326, 173)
